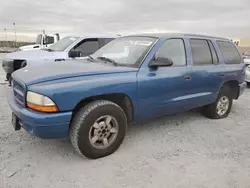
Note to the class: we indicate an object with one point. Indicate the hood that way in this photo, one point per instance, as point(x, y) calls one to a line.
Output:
point(30, 47)
point(35, 55)
point(68, 69)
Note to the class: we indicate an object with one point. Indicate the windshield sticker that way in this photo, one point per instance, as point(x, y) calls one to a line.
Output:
point(141, 43)
point(144, 43)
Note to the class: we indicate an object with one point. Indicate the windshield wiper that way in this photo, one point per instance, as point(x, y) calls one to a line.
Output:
point(108, 59)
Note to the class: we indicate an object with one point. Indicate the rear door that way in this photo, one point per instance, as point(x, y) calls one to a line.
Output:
point(207, 72)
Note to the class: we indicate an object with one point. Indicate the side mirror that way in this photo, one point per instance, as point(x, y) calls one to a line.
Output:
point(161, 62)
point(74, 53)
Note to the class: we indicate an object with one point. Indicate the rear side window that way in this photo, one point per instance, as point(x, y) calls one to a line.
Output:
point(200, 52)
point(229, 52)
point(213, 52)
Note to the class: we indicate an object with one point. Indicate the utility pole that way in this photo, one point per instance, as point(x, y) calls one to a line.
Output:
point(14, 24)
point(6, 40)
point(5, 32)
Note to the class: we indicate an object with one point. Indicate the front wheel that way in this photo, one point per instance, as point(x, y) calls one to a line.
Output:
point(10, 80)
point(221, 107)
point(98, 129)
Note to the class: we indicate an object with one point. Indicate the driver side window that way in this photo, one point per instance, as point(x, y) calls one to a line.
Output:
point(87, 47)
point(173, 49)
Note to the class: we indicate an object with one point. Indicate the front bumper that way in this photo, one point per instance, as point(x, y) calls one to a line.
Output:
point(8, 66)
point(43, 125)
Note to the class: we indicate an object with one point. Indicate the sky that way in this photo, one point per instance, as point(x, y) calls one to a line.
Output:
point(226, 18)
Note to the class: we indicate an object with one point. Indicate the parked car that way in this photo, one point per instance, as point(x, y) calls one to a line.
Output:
point(246, 57)
point(66, 48)
point(131, 79)
point(42, 41)
point(247, 78)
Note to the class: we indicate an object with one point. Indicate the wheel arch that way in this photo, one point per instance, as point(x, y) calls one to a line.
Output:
point(233, 85)
point(121, 99)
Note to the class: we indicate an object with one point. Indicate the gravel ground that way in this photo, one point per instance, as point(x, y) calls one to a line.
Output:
point(185, 150)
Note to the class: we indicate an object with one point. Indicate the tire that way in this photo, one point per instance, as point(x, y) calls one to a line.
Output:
point(7, 76)
point(82, 127)
point(211, 111)
point(10, 80)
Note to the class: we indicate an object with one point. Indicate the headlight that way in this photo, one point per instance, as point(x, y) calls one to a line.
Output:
point(40, 102)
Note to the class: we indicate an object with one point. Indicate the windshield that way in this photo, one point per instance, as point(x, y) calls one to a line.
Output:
point(126, 50)
point(38, 39)
point(63, 44)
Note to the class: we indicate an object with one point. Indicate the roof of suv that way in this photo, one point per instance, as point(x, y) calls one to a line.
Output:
point(160, 35)
point(96, 36)
point(90, 37)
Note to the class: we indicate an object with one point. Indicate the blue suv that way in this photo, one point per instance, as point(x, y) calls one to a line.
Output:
point(131, 79)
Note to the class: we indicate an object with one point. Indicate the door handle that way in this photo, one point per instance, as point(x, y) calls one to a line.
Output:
point(222, 74)
point(59, 59)
point(187, 77)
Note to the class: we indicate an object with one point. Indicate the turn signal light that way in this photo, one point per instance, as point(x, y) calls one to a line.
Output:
point(40, 108)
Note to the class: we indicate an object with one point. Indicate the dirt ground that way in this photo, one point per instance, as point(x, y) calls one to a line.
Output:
point(185, 150)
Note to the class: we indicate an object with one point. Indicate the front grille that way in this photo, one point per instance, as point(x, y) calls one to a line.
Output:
point(19, 92)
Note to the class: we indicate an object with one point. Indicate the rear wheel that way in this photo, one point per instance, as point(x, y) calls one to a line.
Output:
point(222, 106)
point(98, 129)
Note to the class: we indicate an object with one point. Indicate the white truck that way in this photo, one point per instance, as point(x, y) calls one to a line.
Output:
point(69, 47)
point(42, 41)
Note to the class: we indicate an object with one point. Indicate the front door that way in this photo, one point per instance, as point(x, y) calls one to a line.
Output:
point(165, 90)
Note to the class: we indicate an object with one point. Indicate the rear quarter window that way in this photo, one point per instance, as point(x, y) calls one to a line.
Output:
point(229, 52)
